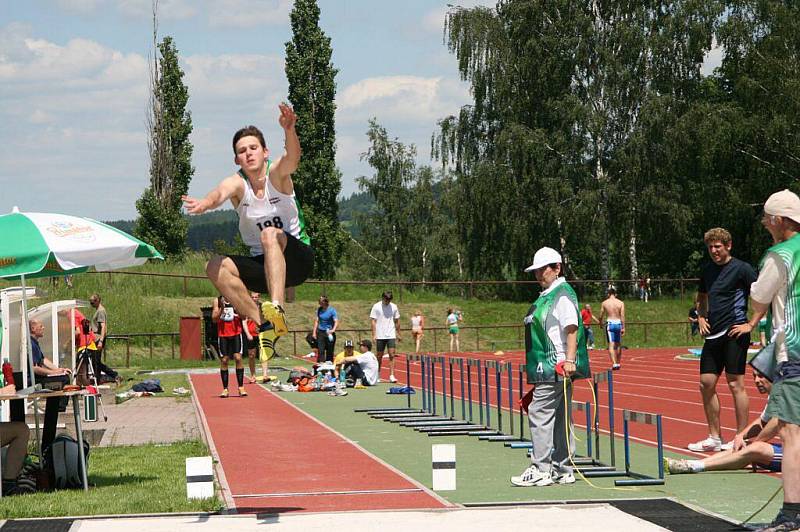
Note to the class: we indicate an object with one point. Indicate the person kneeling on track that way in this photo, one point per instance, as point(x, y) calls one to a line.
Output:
point(751, 446)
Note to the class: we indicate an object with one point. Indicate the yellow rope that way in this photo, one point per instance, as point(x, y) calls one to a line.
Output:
point(569, 450)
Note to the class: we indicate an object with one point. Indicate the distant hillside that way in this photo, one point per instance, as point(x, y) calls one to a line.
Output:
point(223, 225)
point(204, 229)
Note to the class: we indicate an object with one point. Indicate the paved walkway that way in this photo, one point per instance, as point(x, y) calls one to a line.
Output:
point(147, 420)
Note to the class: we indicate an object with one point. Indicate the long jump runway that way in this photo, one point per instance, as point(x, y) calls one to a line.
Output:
point(274, 458)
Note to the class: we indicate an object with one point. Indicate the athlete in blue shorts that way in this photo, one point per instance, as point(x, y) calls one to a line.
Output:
point(613, 310)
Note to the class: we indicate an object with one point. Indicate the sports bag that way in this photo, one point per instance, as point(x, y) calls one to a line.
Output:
point(62, 462)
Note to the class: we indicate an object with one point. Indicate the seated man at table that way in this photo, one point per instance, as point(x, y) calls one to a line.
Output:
point(15, 434)
point(47, 373)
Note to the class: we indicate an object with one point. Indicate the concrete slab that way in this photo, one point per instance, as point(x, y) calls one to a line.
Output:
point(573, 518)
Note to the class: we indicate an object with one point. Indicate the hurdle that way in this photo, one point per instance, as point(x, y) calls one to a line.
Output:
point(451, 426)
point(499, 369)
point(425, 415)
point(639, 479)
point(398, 410)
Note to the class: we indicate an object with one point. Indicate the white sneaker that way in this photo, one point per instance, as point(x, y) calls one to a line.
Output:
point(532, 477)
point(706, 446)
point(567, 478)
point(727, 446)
point(392, 378)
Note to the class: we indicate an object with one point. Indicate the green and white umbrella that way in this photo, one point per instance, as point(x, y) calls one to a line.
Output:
point(34, 244)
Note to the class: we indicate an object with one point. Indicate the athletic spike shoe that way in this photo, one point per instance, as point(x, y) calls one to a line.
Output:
point(532, 477)
point(275, 314)
point(266, 341)
point(675, 466)
point(242, 392)
point(224, 394)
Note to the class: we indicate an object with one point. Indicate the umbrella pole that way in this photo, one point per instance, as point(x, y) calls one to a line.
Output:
point(29, 347)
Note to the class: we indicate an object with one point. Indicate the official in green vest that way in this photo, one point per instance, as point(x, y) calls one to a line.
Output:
point(556, 353)
point(777, 290)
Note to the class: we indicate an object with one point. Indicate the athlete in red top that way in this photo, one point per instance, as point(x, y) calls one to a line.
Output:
point(587, 317)
point(229, 333)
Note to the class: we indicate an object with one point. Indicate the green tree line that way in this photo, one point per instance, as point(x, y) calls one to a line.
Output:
point(592, 129)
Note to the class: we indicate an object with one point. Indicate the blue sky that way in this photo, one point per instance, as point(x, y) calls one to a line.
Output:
point(73, 89)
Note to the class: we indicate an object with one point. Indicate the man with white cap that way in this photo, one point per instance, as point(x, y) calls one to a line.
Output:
point(555, 352)
point(777, 290)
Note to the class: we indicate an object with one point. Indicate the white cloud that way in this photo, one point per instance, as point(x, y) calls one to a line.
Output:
point(248, 13)
point(233, 78)
point(400, 98)
point(713, 59)
point(40, 117)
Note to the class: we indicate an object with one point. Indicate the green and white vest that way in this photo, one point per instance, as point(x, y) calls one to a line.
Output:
point(541, 355)
point(789, 253)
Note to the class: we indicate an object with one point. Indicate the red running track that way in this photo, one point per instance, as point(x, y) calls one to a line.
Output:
point(262, 443)
point(651, 380)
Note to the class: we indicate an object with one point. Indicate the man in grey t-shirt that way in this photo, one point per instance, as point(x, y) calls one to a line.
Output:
point(100, 330)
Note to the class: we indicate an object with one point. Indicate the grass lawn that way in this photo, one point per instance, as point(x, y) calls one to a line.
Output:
point(123, 480)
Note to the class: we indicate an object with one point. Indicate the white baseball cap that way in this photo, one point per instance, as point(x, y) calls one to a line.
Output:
point(784, 203)
point(543, 257)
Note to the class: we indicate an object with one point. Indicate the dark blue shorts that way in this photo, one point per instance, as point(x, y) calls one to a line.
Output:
point(777, 459)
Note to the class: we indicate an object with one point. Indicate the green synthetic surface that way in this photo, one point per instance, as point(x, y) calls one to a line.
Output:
point(483, 468)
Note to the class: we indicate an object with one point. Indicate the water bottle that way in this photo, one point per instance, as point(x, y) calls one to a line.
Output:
point(330, 336)
point(8, 373)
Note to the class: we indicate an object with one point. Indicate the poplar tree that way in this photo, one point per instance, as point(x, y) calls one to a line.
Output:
point(169, 122)
point(312, 91)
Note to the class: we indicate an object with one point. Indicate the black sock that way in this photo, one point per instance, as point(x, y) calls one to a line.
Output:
point(240, 377)
point(223, 373)
point(792, 508)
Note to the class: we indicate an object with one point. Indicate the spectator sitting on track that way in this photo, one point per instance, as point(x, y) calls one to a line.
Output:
point(338, 360)
point(362, 367)
point(751, 446)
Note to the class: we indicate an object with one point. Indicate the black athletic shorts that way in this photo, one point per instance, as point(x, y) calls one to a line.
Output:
point(384, 343)
point(725, 353)
point(229, 345)
point(249, 344)
point(299, 263)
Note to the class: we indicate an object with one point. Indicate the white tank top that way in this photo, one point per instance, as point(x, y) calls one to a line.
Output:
point(416, 322)
point(275, 209)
